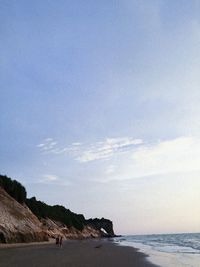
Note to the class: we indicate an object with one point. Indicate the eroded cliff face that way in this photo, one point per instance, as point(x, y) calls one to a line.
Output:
point(17, 222)
point(54, 228)
point(105, 226)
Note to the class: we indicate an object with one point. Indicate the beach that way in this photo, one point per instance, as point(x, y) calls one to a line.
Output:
point(85, 253)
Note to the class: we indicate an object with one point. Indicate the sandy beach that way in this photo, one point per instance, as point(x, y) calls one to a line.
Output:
point(86, 253)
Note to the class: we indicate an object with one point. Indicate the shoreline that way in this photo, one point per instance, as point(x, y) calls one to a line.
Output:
point(25, 244)
point(74, 253)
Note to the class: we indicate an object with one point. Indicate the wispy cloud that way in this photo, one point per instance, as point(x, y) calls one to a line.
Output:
point(47, 145)
point(52, 179)
point(76, 144)
point(105, 149)
point(177, 155)
point(108, 148)
point(49, 178)
point(51, 146)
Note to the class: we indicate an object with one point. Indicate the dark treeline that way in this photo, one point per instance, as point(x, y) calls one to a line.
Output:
point(13, 188)
point(57, 212)
point(41, 209)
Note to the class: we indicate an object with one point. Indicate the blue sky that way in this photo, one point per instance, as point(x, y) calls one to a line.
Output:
point(100, 108)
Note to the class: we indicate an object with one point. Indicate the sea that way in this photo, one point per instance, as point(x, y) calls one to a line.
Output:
point(168, 250)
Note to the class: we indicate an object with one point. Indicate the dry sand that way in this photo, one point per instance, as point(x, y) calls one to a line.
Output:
point(86, 253)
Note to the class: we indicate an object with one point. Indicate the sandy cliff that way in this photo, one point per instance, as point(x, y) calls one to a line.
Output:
point(19, 224)
point(55, 228)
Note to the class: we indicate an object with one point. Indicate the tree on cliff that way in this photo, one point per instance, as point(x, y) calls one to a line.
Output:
point(56, 212)
point(13, 188)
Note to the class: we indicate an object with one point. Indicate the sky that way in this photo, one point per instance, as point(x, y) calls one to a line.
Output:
point(100, 108)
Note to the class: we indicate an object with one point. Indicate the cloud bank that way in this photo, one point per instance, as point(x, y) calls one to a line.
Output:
point(127, 158)
point(171, 156)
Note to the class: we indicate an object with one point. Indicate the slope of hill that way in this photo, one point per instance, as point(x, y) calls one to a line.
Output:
point(17, 222)
point(28, 220)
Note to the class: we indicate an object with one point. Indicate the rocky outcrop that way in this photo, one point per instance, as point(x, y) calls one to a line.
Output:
point(55, 228)
point(17, 222)
point(105, 226)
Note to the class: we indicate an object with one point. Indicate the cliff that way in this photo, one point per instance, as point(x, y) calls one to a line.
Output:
point(17, 222)
point(55, 228)
point(105, 226)
point(39, 221)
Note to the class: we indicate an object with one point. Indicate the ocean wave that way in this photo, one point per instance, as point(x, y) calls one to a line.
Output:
point(172, 243)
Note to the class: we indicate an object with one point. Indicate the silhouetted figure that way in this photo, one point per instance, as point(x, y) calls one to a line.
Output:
point(60, 241)
point(57, 241)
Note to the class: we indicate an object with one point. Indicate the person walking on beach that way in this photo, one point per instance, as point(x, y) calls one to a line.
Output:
point(61, 241)
point(57, 241)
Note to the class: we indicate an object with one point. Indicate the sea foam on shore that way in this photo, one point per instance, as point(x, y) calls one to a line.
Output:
point(172, 250)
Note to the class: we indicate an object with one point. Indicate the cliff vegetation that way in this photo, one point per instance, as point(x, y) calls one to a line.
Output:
point(25, 219)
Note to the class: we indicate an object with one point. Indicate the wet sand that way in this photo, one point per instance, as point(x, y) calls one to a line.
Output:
point(86, 253)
